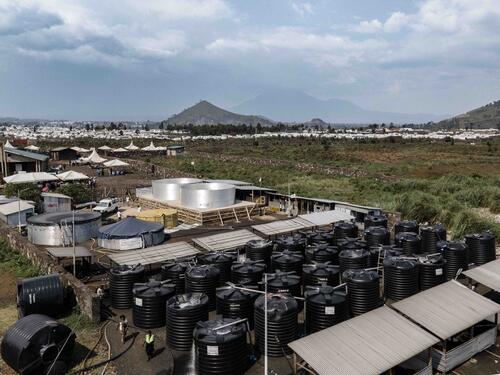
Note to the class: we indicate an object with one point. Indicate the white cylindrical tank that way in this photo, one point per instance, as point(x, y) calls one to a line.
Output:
point(207, 195)
point(169, 189)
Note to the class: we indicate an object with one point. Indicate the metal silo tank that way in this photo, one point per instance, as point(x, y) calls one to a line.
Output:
point(169, 189)
point(207, 195)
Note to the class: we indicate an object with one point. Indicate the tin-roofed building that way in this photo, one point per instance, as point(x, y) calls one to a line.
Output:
point(63, 153)
point(13, 160)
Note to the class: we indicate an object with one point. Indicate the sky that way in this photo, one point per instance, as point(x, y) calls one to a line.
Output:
point(149, 59)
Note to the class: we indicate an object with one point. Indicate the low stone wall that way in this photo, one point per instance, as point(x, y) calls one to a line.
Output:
point(85, 297)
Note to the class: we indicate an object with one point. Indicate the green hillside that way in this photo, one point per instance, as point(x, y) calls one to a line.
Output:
point(485, 117)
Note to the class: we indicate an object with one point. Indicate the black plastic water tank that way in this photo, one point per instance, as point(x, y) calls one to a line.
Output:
point(322, 253)
point(344, 229)
point(432, 271)
point(176, 273)
point(282, 323)
point(31, 345)
point(236, 303)
point(353, 259)
point(247, 272)
point(430, 235)
point(149, 303)
point(183, 312)
point(481, 248)
point(372, 220)
point(222, 260)
point(363, 290)
point(287, 261)
point(221, 347)
point(400, 278)
point(406, 226)
point(259, 250)
point(351, 243)
point(121, 281)
point(283, 282)
point(40, 295)
point(324, 308)
point(456, 254)
point(291, 243)
point(203, 279)
point(410, 242)
point(307, 234)
point(377, 236)
point(323, 237)
point(320, 273)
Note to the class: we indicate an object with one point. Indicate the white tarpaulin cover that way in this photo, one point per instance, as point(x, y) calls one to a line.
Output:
point(131, 146)
point(94, 158)
point(72, 176)
point(33, 177)
point(116, 163)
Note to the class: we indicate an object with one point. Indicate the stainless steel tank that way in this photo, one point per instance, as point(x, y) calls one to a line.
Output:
point(169, 189)
point(55, 229)
point(207, 195)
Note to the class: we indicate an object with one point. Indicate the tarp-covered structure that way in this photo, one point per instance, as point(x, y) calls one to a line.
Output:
point(131, 233)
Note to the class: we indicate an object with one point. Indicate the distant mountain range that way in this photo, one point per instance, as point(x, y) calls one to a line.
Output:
point(296, 106)
point(487, 116)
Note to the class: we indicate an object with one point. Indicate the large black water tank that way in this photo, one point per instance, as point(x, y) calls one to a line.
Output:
point(183, 312)
point(121, 281)
point(456, 255)
point(375, 221)
point(323, 237)
point(353, 259)
point(282, 323)
point(287, 261)
point(481, 248)
point(430, 235)
point(320, 273)
point(307, 234)
point(377, 236)
point(322, 253)
point(406, 226)
point(351, 243)
point(410, 242)
point(236, 303)
point(291, 243)
point(223, 261)
point(259, 250)
point(400, 278)
point(324, 308)
point(176, 273)
point(40, 295)
point(149, 303)
point(31, 345)
point(363, 290)
point(247, 272)
point(283, 282)
point(220, 347)
point(432, 271)
point(203, 279)
point(344, 229)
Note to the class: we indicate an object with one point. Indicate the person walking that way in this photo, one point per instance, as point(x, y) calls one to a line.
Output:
point(122, 327)
point(149, 342)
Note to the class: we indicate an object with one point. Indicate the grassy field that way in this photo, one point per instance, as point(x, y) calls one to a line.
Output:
point(429, 181)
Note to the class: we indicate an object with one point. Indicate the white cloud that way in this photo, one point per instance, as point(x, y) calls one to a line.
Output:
point(369, 27)
point(302, 9)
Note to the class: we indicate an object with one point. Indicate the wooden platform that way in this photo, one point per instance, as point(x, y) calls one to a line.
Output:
point(235, 213)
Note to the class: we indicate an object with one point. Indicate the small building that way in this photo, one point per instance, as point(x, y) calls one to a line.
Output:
point(175, 150)
point(54, 202)
point(63, 153)
point(13, 160)
point(16, 212)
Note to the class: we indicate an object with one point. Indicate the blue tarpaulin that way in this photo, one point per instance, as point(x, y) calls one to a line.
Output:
point(129, 228)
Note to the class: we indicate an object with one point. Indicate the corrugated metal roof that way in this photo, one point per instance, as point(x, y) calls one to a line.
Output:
point(371, 343)
point(13, 207)
point(154, 254)
point(226, 241)
point(27, 154)
point(488, 274)
point(253, 187)
point(447, 309)
point(326, 217)
point(283, 226)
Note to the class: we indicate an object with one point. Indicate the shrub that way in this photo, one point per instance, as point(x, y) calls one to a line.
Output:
point(80, 193)
point(27, 191)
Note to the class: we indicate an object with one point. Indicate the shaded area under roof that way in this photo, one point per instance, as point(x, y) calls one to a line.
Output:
point(488, 274)
point(283, 226)
point(326, 217)
point(371, 343)
point(155, 254)
point(447, 309)
point(226, 241)
point(129, 228)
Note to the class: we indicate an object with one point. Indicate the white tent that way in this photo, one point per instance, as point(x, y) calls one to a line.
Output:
point(32, 177)
point(72, 176)
point(94, 158)
point(79, 149)
point(32, 148)
point(151, 147)
point(8, 145)
point(104, 148)
point(115, 163)
point(132, 147)
point(120, 149)
point(161, 148)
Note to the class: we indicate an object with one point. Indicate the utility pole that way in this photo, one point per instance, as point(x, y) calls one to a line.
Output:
point(266, 370)
point(74, 247)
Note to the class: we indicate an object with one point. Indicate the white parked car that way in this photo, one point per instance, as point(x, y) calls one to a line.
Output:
point(106, 206)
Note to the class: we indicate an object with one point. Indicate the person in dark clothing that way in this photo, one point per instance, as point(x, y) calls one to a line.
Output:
point(149, 342)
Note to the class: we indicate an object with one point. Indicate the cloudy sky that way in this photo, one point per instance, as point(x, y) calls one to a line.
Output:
point(147, 59)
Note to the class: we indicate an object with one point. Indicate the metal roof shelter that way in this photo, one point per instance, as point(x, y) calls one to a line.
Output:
point(371, 343)
point(226, 241)
point(283, 226)
point(155, 254)
point(447, 309)
point(488, 274)
point(326, 217)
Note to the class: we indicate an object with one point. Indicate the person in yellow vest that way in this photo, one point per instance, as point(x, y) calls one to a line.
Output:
point(149, 342)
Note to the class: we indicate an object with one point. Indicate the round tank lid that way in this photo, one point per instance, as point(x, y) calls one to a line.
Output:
point(360, 275)
point(63, 217)
point(187, 301)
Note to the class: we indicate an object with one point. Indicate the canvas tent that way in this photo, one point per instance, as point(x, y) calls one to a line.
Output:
point(8, 145)
point(131, 233)
point(72, 176)
point(94, 158)
point(33, 177)
point(104, 148)
point(115, 163)
point(132, 147)
point(151, 147)
point(32, 148)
